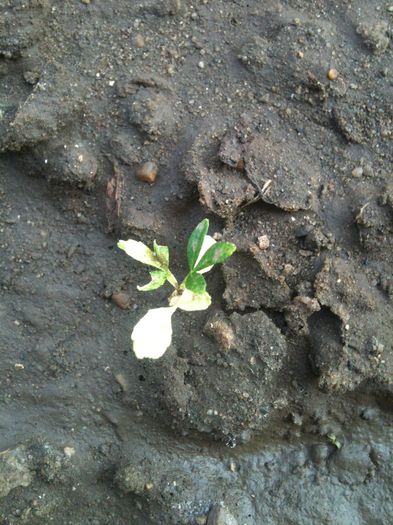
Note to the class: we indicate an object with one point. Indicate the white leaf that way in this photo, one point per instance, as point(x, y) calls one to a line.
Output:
point(207, 242)
point(152, 334)
point(140, 252)
point(190, 301)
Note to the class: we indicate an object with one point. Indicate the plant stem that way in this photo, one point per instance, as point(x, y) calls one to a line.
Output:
point(172, 280)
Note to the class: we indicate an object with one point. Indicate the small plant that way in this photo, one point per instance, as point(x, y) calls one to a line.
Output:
point(152, 335)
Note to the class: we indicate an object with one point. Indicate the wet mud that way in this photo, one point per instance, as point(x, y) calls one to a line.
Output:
point(122, 119)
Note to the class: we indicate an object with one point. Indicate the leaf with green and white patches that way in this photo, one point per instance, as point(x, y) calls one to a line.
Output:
point(195, 282)
point(140, 252)
point(162, 254)
point(216, 254)
point(158, 278)
point(195, 242)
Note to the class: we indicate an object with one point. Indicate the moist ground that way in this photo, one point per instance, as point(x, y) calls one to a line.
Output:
point(274, 120)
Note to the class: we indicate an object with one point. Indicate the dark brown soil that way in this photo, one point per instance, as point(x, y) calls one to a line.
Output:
point(272, 407)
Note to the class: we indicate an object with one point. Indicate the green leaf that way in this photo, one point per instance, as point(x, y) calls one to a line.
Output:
point(162, 253)
point(195, 282)
point(158, 278)
point(195, 242)
point(216, 254)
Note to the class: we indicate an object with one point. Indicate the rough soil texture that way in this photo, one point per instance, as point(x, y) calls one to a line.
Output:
point(275, 120)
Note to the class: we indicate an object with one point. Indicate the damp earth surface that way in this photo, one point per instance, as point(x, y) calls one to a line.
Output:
point(135, 120)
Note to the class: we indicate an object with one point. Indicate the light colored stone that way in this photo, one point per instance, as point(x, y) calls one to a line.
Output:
point(263, 242)
point(69, 451)
point(332, 74)
point(147, 172)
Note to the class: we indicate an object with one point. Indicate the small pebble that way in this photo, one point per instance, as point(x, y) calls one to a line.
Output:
point(31, 77)
point(297, 419)
point(121, 299)
point(232, 466)
point(288, 269)
point(357, 172)
point(332, 74)
point(147, 172)
point(300, 54)
point(69, 451)
point(148, 486)
point(221, 331)
point(201, 64)
point(368, 170)
point(263, 242)
point(369, 414)
point(139, 41)
point(86, 2)
point(122, 381)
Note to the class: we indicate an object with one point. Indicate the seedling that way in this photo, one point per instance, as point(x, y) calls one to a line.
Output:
point(152, 335)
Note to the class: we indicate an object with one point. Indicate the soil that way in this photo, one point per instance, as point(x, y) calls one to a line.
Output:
point(275, 120)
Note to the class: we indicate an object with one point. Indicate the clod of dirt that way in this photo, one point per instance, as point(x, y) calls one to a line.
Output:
point(349, 122)
point(73, 163)
point(209, 164)
point(267, 152)
point(121, 299)
point(233, 394)
point(254, 52)
point(21, 25)
point(49, 462)
point(219, 329)
point(153, 112)
point(15, 469)
point(298, 312)
point(352, 464)
point(127, 215)
point(374, 35)
point(257, 276)
point(19, 466)
point(165, 480)
point(356, 120)
point(374, 221)
point(352, 335)
point(283, 178)
point(313, 238)
point(126, 147)
point(51, 105)
point(232, 145)
point(250, 283)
